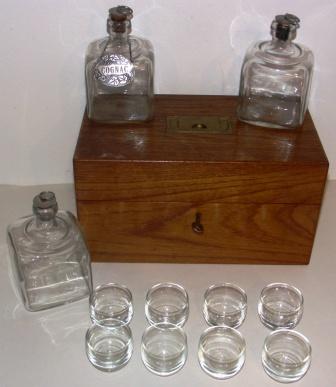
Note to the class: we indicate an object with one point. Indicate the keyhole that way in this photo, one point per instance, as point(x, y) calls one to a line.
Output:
point(199, 125)
point(197, 225)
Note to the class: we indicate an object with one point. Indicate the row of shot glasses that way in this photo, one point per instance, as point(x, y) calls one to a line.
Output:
point(221, 352)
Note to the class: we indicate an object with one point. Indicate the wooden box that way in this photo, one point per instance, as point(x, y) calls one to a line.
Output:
point(196, 185)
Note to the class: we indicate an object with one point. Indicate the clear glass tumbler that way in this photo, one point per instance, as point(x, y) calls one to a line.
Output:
point(225, 304)
point(286, 355)
point(167, 303)
point(280, 306)
point(109, 349)
point(111, 305)
point(164, 349)
point(221, 352)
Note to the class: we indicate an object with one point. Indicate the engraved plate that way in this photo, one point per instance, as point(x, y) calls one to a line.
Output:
point(114, 70)
point(199, 124)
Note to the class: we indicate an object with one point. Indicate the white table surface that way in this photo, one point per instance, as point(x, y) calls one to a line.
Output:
point(46, 349)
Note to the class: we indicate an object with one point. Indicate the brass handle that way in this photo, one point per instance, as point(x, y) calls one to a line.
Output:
point(199, 124)
point(197, 226)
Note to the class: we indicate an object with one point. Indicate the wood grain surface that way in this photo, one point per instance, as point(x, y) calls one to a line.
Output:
point(139, 187)
point(162, 232)
point(201, 182)
point(151, 141)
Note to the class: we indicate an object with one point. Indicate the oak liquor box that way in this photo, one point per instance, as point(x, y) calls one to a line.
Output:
point(197, 185)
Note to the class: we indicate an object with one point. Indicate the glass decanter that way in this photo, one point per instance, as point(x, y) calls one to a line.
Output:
point(119, 73)
point(275, 78)
point(50, 260)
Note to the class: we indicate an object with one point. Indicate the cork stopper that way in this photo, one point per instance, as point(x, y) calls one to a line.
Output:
point(284, 27)
point(119, 19)
point(45, 205)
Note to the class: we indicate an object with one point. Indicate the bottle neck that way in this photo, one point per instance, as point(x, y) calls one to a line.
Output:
point(47, 230)
point(281, 43)
point(45, 225)
point(45, 219)
point(282, 35)
point(281, 47)
point(119, 30)
point(119, 36)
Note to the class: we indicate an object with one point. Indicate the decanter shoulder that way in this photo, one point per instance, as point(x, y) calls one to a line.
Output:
point(265, 53)
point(73, 231)
point(18, 226)
point(252, 50)
point(252, 56)
point(307, 56)
point(72, 221)
point(145, 44)
point(96, 48)
point(23, 234)
point(141, 47)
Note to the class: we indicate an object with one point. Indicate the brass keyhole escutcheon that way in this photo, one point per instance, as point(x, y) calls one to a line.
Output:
point(197, 226)
point(199, 126)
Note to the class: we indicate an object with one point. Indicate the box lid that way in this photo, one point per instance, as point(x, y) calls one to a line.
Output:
point(154, 141)
point(236, 162)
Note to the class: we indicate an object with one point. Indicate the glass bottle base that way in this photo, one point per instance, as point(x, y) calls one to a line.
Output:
point(54, 285)
point(276, 111)
point(267, 124)
point(111, 109)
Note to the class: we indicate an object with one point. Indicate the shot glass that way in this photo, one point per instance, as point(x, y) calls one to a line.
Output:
point(225, 304)
point(280, 306)
point(167, 303)
point(221, 352)
point(286, 355)
point(164, 348)
point(109, 349)
point(111, 305)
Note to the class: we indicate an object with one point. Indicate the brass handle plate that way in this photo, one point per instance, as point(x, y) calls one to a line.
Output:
point(199, 124)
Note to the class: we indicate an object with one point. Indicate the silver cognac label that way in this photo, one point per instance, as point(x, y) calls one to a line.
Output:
point(114, 70)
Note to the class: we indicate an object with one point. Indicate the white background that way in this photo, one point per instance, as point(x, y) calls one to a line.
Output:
point(199, 48)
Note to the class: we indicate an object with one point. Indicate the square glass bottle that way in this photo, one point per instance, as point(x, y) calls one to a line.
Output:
point(119, 73)
point(275, 78)
point(50, 260)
